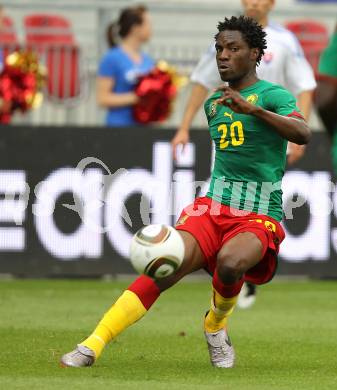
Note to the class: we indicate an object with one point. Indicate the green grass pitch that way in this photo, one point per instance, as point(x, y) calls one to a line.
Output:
point(288, 340)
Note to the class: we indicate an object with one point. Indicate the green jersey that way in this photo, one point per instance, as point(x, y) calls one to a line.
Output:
point(250, 156)
point(328, 61)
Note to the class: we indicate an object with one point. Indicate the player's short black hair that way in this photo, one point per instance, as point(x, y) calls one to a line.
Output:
point(251, 32)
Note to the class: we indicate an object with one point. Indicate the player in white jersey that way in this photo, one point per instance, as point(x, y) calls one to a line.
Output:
point(283, 63)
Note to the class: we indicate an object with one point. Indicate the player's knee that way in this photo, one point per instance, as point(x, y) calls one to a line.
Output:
point(228, 274)
point(230, 267)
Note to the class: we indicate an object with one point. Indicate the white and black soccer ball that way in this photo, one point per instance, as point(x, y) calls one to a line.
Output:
point(157, 251)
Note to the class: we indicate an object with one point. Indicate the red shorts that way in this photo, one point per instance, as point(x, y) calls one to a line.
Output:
point(212, 224)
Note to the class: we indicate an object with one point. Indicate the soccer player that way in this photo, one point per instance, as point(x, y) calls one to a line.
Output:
point(234, 231)
point(326, 94)
point(283, 63)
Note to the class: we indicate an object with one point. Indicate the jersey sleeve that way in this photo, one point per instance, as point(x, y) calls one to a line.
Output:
point(206, 72)
point(299, 76)
point(328, 60)
point(282, 102)
point(107, 66)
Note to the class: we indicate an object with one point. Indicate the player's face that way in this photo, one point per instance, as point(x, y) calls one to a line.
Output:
point(234, 57)
point(145, 29)
point(257, 9)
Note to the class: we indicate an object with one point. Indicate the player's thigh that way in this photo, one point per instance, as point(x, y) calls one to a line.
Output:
point(240, 253)
point(193, 261)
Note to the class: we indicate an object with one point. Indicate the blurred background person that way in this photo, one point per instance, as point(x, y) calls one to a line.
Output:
point(124, 62)
point(284, 63)
point(1, 27)
point(326, 93)
point(5, 106)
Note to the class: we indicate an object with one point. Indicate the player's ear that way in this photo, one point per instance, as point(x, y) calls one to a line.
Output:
point(254, 53)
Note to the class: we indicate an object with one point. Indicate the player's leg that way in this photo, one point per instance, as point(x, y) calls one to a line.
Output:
point(131, 306)
point(236, 256)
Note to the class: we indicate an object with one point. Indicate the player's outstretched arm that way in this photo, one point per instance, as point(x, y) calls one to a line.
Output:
point(304, 101)
point(197, 97)
point(294, 130)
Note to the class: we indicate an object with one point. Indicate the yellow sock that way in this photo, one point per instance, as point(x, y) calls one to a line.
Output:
point(127, 310)
point(221, 309)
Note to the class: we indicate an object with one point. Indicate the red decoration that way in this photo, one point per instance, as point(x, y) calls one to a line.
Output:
point(156, 91)
point(20, 81)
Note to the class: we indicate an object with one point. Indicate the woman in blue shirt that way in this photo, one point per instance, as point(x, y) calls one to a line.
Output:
point(123, 64)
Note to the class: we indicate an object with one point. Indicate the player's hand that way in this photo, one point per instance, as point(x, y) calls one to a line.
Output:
point(235, 101)
point(294, 152)
point(181, 137)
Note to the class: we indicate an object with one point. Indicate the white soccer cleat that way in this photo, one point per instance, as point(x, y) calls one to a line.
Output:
point(80, 357)
point(247, 296)
point(221, 351)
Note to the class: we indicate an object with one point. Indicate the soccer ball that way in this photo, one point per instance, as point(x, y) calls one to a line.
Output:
point(157, 251)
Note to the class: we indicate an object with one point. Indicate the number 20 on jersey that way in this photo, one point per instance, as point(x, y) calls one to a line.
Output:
point(236, 135)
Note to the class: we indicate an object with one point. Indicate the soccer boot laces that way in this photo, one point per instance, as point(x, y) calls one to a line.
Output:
point(80, 357)
point(221, 351)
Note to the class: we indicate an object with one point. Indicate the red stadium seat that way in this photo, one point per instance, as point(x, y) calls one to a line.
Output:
point(48, 29)
point(63, 72)
point(8, 37)
point(7, 32)
point(51, 36)
point(313, 37)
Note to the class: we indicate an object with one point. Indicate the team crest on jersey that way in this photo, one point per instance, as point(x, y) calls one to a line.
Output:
point(252, 98)
point(212, 109)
